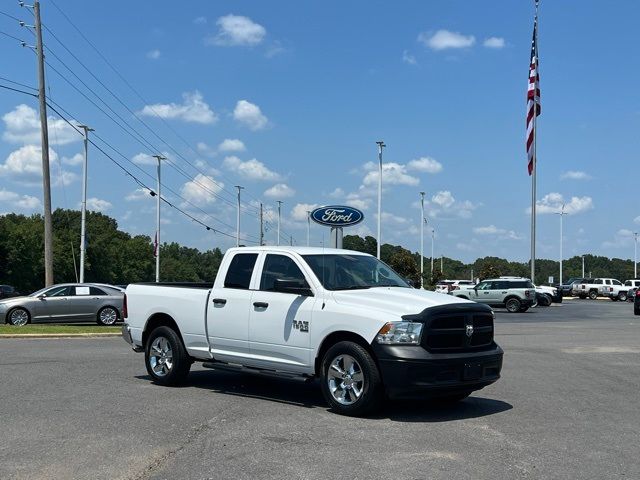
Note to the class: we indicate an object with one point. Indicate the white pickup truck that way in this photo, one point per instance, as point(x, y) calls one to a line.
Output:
point(341, 316)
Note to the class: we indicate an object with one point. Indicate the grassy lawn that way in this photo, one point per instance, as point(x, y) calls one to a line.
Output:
point(40, 329)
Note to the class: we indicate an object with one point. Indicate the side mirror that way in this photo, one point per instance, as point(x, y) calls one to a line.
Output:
point(294, 286)
point(42, 296)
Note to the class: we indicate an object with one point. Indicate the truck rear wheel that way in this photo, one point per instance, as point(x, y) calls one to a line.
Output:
point(593, 294)
point(166, 358)
point(350, 380)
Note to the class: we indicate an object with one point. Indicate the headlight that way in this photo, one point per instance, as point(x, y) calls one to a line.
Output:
point(400, 333)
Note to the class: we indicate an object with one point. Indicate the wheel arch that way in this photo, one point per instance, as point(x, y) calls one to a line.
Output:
point(21, 307)
point(510, 297)
point(340, 336)
point(160, 320)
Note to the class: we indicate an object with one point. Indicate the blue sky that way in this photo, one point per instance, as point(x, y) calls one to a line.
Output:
point(287, 99)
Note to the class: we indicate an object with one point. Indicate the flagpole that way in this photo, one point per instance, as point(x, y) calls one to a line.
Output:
point(535, 159)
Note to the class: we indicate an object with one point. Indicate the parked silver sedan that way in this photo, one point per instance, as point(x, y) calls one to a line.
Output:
point(69, 302)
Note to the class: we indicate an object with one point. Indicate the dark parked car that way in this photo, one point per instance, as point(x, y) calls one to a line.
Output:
point(565, 288)
point(636, 302)
point(69, 302)
point(7, 291)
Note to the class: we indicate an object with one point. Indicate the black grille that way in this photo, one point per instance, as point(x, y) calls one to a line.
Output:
point(458, 332)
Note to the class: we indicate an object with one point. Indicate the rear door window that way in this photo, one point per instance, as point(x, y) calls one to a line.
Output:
point(616, 282)
point(96, 291)
point(240, 271)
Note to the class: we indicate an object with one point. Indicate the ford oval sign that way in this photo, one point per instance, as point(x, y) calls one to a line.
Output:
point(337, 216)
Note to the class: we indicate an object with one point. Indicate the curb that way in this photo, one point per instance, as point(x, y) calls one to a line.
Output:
point(59, 335)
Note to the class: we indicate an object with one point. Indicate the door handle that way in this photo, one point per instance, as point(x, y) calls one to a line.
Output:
point(260, 304)
point(219, 301)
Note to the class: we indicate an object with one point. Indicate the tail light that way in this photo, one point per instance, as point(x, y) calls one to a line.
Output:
point(125, 311)
point(455, 288)
point(638, 293)
point(527, 293)
point(611, 289)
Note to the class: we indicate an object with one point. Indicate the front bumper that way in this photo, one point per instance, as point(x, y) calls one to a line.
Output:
point(413, 372)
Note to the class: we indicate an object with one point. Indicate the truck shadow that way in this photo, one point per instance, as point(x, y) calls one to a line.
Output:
point(308, 395)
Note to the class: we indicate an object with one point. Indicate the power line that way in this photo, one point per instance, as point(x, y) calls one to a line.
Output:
point(10, 16)
point(18, 83)
point(143, 185)
point(19, 91)
point(11, 36)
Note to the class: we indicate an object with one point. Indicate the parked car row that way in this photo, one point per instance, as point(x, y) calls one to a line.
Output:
point(603, 287)
point(68, 302)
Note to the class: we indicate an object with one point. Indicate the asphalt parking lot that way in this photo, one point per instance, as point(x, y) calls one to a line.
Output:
point(566, 407)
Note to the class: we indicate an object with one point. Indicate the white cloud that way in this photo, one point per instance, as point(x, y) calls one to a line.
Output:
point(24, 166)
point(339, 193)
point(575, 175)
point(444, 39)
point(251, 169)
point(552, 203)
point(408, 58)
point(622, 238)
point(444, 205)
point(636, 220)
point(236, 30)
point(153, 54)
point(98, 205)
point(498, 232)
point(231, 145)
point(144, 159)
point(205, 149)
point(22, 126)
point(299, 211)
point(19, 202)
point(200, 20)
point(202, 190)
point(250, 115)
point(494, 42)
point(392, 174)
point(193, 109)
point(274, 49)
point(138, 194)
point(280, 190)
point(77, 159)
point(425, 164)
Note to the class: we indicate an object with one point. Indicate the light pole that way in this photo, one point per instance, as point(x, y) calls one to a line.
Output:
point(381, 145)
point(582, 265)
point(279, 207)
point(83, 226)
point(562, 214)
point(635, 255)
point(433, 239)
point(308, 228)
point(238, 217)
point(422, 240)
point(159, 158)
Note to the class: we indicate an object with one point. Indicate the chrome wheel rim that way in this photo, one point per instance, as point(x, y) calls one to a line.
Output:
point(161, 357)
point(19, 317)
point(345, 380)
point(512, 306)
point(108, 316)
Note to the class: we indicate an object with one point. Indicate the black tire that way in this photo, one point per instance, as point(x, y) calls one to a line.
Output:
point(582, 297)
point(622, 296)
point(176, 372)
point(513, 305)
point(593, 295)
point(371, 392)
point(107, 316)
point(544, 300)
point(17, 315)
point(523, 309)
point(614, 299)
point(636, 310)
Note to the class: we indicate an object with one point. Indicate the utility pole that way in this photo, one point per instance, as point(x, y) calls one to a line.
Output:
point(422, 240)
point(159, 158)
point(291, 240)
point(261, 226)
point(83, 227)
point(381, 145)
point(582, 266)
point(433, 239)
point(442, 264)
point(562, 214)
point(238, 217)
point(635, 255)
point(44, 135)
point(308, 228)
point(279, 208)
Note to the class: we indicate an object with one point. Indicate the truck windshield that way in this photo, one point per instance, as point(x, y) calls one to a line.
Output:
point(352, 272)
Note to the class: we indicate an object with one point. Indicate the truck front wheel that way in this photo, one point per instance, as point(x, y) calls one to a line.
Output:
point(350, 380)
point(166, 358)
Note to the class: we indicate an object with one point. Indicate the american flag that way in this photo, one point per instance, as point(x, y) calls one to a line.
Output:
point(155, 245)
point(533, 97)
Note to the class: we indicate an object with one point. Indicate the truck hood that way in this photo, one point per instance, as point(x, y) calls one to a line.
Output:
point(396, 301)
